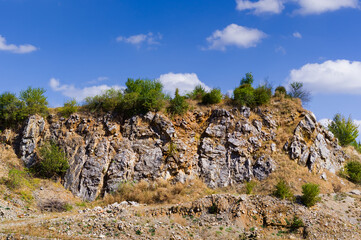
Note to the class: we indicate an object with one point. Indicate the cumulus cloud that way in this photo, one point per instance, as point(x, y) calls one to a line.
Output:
point(235, 35)
point(26, 48)
point(321, 6)
point(339, 76)
point(185, 82)
point(150, 39)
point(297, 35)
point(79, 93)
point(261, 6)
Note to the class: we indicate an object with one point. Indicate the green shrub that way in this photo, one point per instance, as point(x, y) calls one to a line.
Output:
point(296, 224)
point(11, 110)
point(280, 90)
point(34, 100)
point(310, 193)
point(178, 105)
point(244, 95)
point(346, 131)
point(109, 101)
point(142, 96)
point(250, 186)
point(69, 108)
point(282, 190)
point(357, 146)
point(262, 95)
point(16, 179)
point(197, 93)
point(53, 161)
point(248, 79)
point(353, 171)
point(213, 97)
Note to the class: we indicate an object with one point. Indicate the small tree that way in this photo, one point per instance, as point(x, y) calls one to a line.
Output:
point(262, 95)
point(346, 131)
point(11, 110)
point(244, 95)
point(353, 170)
point(53, 161)
point(297, 91)
point(197, 93)
point(178, 105)
point(280, 90)
point(213, 97)
point(34, 100)
point(282, 190)
point(310, 194)
point(248, 79)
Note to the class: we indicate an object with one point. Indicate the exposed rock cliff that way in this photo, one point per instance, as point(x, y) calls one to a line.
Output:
point(222, 147)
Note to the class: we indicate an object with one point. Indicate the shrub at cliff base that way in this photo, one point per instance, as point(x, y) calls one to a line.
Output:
point(283, 191)
point(353, 171)
point(310, 193)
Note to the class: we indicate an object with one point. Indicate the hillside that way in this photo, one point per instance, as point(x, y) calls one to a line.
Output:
point(209, 150)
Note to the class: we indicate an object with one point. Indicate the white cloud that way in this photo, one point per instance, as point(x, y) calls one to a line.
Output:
point(185, 82)
point(340, 76)
point(297, 35)
point(235, 35)
point(150, 39)
point(261, 6)
point(79, 93)
point(26, 48)
point(281, 50)
point(321, 6)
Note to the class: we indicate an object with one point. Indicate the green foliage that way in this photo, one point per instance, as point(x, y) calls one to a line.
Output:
point(353, 171)
point(197, 93)
point(250, 186)
point(16, 179)
point(345, 130)
point(53, 161)
point(178, 105)
point(262, 95)
point(244, 95)
point(248, 79)
point(297, 91)
point(296, 224)
point(69, 108)
point(283, 191)
point(11, 110)
point(310, 193)
point(106, 102)
point(213, 97)
point(281, 90)
point(142, 96)
point(34, 100)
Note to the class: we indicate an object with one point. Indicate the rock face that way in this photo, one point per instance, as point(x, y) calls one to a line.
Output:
point(221, 147)
point(315, 147)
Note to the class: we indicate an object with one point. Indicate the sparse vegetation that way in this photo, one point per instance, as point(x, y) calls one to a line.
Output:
point(346, 131)
point(283, 191)
point(213, 97)
point(353, 171)
point(246, 95)
point(250, 186)
point(69, 108)
point(310, 193)
point(197, 93)
point(178, 105)
point(160, 191)
point(53, 161)
point(109, 101)
point(296, 224)
point(17, 179)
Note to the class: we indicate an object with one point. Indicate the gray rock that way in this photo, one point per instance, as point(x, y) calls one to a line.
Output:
point(263, 167)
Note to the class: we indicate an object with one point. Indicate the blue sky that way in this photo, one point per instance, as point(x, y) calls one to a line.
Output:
point(77, 48)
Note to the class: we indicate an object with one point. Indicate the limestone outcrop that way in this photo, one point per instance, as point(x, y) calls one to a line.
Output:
point(222, 147)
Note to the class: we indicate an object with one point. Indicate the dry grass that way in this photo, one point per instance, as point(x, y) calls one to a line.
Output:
point(158, 192)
